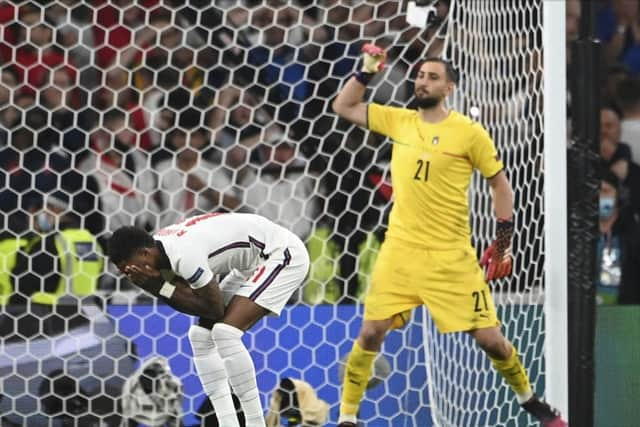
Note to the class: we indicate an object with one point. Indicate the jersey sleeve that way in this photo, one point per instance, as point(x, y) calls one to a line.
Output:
point(384, 120)
point(194, 269)
point(483, 154)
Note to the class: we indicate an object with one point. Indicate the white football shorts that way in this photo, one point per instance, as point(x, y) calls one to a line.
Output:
point(275, 280)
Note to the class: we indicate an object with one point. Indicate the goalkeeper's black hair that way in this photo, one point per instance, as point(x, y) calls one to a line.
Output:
point(452, 73)
point(125, 241)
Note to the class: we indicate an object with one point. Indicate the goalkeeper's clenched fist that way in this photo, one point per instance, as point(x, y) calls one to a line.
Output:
point(373, 58)
point(497, 258)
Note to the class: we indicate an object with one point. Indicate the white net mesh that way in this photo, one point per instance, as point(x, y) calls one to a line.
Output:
point(143, 112)
point(496, 47)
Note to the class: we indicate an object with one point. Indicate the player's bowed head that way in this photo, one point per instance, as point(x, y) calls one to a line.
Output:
point(140, 259)
point(132, 247)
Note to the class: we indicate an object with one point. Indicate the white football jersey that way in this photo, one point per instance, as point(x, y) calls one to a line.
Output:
point(219, 243)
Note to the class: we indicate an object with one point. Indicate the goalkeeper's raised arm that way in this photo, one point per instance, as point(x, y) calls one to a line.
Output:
point(427, 257)
point(348, 104)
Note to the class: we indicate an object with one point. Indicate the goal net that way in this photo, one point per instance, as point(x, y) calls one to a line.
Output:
point(119, 112)
point(497, 48)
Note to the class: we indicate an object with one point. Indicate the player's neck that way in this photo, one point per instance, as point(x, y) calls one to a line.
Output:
point(435, 114)
point(164, 262)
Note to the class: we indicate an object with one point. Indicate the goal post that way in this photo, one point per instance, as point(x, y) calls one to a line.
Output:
point(511, 59)
point(555, 192)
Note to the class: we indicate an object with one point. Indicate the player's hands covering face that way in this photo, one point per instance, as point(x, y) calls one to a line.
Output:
point(142, 275)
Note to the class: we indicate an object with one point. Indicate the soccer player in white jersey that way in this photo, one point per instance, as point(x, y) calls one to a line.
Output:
point(264, 264)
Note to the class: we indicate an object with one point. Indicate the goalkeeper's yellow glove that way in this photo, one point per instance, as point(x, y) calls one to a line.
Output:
point(497, 258)
point(373, 59)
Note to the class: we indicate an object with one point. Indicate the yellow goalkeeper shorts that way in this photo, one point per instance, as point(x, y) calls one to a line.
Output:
point(449, 282)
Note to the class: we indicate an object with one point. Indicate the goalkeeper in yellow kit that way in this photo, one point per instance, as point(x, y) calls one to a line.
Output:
point(427, 257)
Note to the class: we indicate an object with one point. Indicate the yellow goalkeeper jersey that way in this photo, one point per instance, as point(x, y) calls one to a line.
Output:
point(431, 168)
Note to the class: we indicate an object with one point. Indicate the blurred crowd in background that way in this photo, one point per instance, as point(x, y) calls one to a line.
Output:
point(119, 112)
point(618, 29)
point(147, 112)
point(122, 112)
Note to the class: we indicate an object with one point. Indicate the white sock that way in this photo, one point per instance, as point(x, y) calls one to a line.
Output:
point(213, 375)
point(524, 397)
point(348, 419)
point(240, 371)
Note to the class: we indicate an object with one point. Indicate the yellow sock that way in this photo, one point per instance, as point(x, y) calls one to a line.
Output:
point(356, 376)
point(514, 374)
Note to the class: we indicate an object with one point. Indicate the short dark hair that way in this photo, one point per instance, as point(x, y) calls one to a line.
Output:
point(613, 108)
point(628, 94)
point(609, 177)
point(452, 73)
point(125, 241)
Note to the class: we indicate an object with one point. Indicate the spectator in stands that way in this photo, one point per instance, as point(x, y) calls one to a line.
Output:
point(65, 132)
point(62, 250)
point(121, 176)
point(628, 100)
point(8, 30)
point(24, 170)
point(616, 155)
point(61, 260)
point(284, 73)
point(10, 246)
point(619, 30)
point(58, 94)
point(278, 185)
point(73, 33)
point(36, 52)
point(118, 93)
point(175, 87)
point(8, 83)
point(614, 76)
point(114, 33)
point(618, 248)
point(8, 113)
point(237, 31)
point(238, 122)
point(190, 184)
point(573, 12)
point(11, 116)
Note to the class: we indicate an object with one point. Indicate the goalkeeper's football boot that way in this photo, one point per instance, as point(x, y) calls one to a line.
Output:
point(543, 412)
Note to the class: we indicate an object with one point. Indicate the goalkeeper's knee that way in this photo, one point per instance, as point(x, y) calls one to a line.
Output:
point(372, 334)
